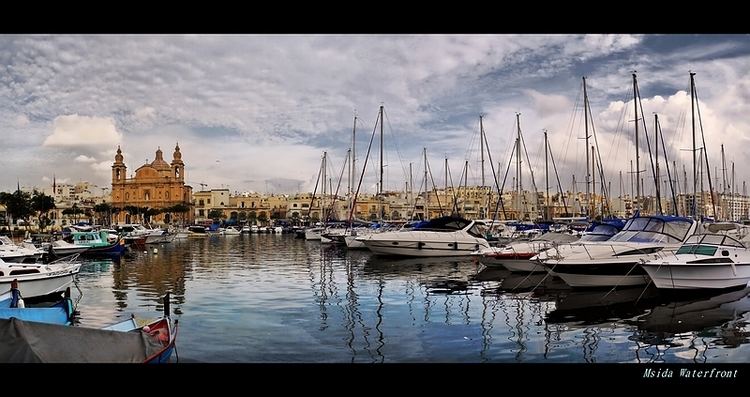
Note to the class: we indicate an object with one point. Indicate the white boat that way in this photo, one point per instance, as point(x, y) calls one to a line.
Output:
point(36, 279)
point(10, 252)
point(516, 255)
point(614, 262)
point(230, 231)
point(445, 236)
point(313, 233)
point(705, 261)
point(64, 248)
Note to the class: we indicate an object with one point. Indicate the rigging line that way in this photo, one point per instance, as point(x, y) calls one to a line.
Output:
point(705, 151)
point(619, 131)
point(398, 152)
point(602, 177)
point(500, 195)
point(317, 180)
point(559, 185)
point(336, 195)
point(454, 209)
point(666, 160)
point(494, 178)
point(362, 176)
point(648, 145)
point(434, 188)
point(470, 146)
point(533, 180)
point(571, 123)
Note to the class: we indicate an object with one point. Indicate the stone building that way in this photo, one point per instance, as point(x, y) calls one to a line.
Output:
point(157, 186)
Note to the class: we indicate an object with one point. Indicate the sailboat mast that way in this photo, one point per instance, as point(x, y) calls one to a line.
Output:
point(445, 187)
point(695, 169)
point(481, 145)
point(518, 165)
point(593, 183)
point(411, 185)
point(546, 175)
point(637, 153)
point(426, 192)
point(656, 133)
point(586, 136)
point(466, 184)
point(732, 186)
point(323, 194)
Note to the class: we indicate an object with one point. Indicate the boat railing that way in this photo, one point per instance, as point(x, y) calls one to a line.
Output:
point(65, 259)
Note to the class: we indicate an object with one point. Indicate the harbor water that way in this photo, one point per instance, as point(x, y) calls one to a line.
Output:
point(275, 299)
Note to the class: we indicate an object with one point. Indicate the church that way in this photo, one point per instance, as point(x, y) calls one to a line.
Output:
point(157, 186)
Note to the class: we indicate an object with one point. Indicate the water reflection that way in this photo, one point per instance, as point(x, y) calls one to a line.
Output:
point(703, 321)
point(280, 299)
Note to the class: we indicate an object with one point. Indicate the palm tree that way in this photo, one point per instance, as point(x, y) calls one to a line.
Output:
point(42, 204)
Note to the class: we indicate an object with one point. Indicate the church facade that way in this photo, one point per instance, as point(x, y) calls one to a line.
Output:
point(156, 187)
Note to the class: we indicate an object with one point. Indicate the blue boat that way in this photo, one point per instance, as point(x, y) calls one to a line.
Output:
point(98, 244)
point(52, 309)
point(29, 341)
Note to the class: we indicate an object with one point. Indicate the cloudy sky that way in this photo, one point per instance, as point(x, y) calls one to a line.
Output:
point(256, 112)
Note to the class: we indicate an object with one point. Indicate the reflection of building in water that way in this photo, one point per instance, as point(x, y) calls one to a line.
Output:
point(153, 275)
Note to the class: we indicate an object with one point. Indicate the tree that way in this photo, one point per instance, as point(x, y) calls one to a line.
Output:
point(42, 204)
point(216, 214)
point(74, 210)
point(180, 209)
point(262, 218)
point(17, 204)
point(149, 212)
point(102, 210)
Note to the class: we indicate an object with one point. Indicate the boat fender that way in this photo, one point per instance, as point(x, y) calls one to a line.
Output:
point(420, 245)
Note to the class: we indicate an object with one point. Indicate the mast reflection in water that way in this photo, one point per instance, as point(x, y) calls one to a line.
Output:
point(273, 298)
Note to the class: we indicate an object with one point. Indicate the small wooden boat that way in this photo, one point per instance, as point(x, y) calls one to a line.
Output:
point(28, 341)
point(53, 309)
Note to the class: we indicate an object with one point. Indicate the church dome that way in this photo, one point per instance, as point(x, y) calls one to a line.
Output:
point(159, 163)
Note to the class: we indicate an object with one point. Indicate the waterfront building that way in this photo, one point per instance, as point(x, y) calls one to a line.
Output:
point(155, 188)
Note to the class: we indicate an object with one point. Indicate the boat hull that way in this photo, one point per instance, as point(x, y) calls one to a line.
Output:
point(698, 276)
point(34, 285)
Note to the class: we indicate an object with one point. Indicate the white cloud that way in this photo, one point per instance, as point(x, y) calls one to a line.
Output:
point(22, 120)
point(75, 130)
point(266, 106)
point(85, 159)
point(549, 103)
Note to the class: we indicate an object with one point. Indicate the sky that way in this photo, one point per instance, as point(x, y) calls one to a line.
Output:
point(256, 112)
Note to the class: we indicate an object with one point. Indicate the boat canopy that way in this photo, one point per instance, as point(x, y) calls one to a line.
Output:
point(666, 229)
point(445, 223)
point(38, 342)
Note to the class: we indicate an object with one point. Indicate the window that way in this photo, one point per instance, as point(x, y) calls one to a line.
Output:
point(208, 201)
point(200, 202)
point(201, 213)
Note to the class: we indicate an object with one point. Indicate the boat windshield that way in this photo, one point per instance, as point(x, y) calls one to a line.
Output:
point(656, 230)
point(600, 233)
point(477, 230)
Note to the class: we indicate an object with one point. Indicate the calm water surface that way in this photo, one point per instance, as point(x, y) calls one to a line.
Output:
point(274, 298)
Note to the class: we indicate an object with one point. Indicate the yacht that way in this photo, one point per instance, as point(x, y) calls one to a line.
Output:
point(445, 236)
